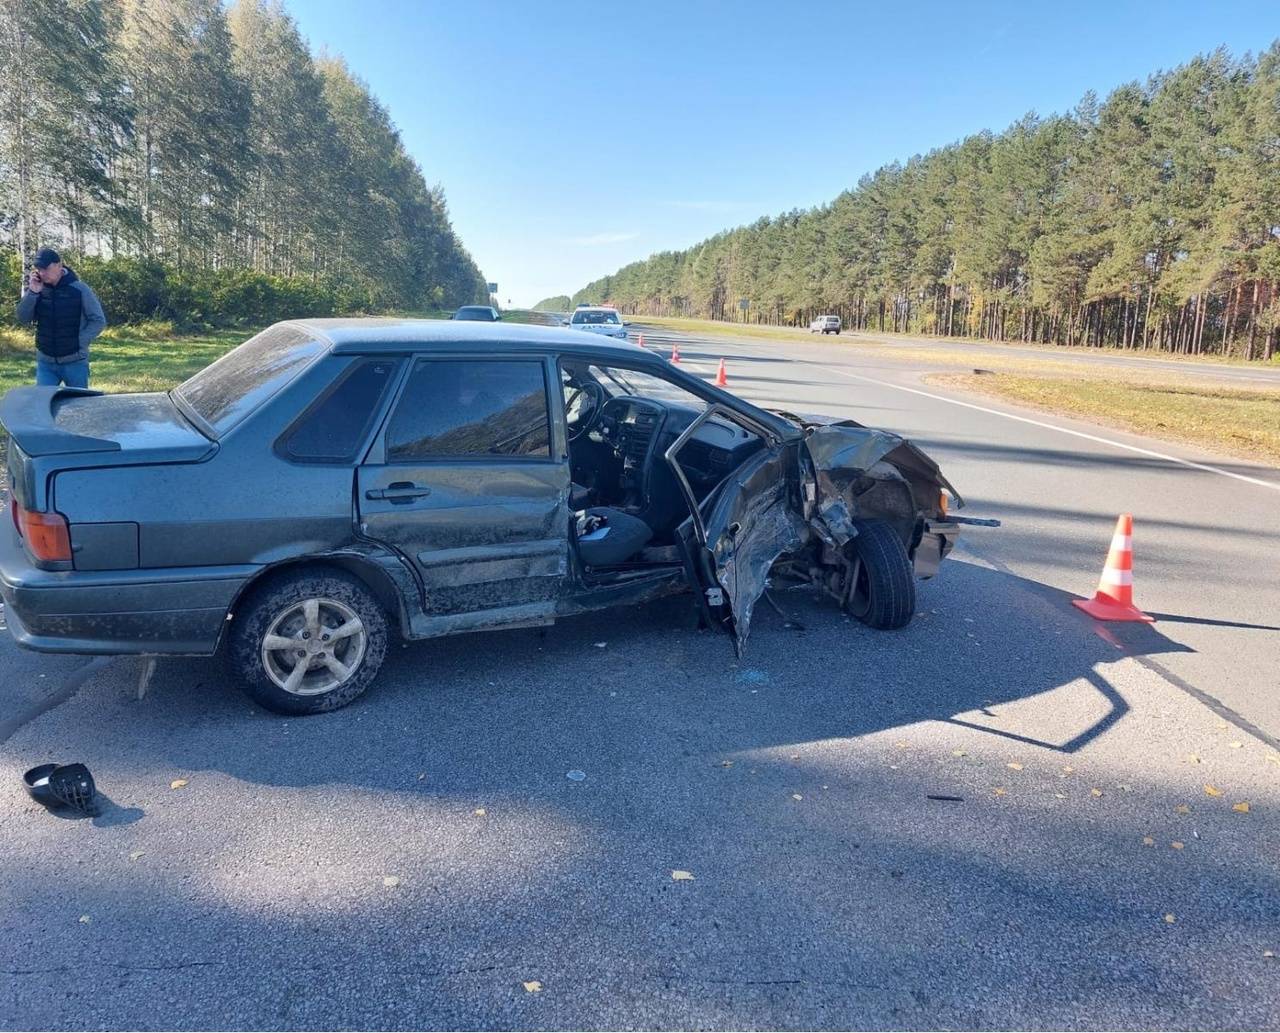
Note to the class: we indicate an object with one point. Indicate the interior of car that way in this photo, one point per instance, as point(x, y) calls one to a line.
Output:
point(626, 500)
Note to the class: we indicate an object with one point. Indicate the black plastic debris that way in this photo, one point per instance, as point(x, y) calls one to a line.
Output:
point(62, 785)
point(944, 798)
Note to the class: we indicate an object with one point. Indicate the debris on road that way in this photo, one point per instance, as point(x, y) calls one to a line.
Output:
point(391, 881)
point(1241, 808)
point(1212, 791)
point(677, 875)
point(576, 776)
point(62, 785)
point(532, 986)
point(944, 798)
point(177, 783)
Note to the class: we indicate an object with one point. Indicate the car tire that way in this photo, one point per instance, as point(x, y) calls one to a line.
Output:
point(306, 608)
point(883, 594)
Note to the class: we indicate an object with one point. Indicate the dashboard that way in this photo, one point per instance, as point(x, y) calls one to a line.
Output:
point(640, 429)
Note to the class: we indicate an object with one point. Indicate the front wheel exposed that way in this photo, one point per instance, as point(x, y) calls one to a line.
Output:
point(882, 588)
point(309, 642)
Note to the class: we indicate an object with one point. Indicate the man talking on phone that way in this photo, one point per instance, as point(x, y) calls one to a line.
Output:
point(67, 315)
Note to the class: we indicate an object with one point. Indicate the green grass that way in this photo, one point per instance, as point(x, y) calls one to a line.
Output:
point(1238, 422)
point(152, 357)
point(147, 358)
point(888, 340)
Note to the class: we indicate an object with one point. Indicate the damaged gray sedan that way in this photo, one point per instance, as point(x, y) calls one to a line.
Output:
point(330, 483)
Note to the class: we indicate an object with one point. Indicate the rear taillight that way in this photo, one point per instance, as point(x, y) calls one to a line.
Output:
point(46, 534)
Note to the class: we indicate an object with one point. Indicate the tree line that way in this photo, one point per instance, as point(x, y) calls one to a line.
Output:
point(188, 148)
point(1148, 221)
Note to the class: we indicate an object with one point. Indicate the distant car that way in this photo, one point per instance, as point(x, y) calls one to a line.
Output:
point(331, 484)
point(597, 319)
point(478, 314)
point(825, 325)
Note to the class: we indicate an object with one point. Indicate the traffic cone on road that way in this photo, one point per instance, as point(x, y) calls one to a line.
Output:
point(640, 340)
point(721, 379)
point(1113, 601)
point(675, 354)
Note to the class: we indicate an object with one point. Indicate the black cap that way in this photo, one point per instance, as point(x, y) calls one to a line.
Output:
point(45, 257)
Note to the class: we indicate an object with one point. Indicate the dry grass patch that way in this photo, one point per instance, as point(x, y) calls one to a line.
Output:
point(1242, 422)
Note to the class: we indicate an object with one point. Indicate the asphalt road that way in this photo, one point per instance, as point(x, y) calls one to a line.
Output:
point(941, 827)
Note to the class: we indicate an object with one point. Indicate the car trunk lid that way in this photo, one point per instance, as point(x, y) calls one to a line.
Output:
point(72, 421)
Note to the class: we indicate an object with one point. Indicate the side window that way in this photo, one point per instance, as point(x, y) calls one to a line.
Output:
point(334, 427)
point(455, 408)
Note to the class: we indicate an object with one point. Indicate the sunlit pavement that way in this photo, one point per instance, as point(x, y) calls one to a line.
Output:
point(1003, 816)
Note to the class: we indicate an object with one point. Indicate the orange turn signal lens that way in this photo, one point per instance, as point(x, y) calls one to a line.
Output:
point(942, 503)
point(46, 534)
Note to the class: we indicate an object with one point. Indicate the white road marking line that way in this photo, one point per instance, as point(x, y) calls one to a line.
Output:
point(1061, 430)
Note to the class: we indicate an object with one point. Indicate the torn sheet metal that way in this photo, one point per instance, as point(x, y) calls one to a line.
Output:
point(862, 473)
point(752, 524)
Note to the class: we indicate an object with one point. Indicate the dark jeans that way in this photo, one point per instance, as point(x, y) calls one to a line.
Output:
point(73, 374)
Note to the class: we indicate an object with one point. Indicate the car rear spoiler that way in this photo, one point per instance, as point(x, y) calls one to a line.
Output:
point(27, 413)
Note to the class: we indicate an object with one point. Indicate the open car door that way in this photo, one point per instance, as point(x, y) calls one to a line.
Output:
point(732, 539)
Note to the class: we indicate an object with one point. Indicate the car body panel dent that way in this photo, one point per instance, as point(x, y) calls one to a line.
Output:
point(752, 522)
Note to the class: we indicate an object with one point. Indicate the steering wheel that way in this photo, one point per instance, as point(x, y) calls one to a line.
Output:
point(587, 418)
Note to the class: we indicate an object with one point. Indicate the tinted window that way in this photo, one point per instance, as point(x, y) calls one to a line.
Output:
point(466, 408)
point(334, 427)
point(224, 393)
point(475, 313)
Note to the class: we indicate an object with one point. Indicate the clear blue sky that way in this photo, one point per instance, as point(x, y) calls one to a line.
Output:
point(572, 138)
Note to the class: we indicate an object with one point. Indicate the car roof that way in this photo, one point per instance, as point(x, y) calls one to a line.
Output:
point(385, 335)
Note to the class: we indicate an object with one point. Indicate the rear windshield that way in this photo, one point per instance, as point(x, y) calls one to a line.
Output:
point(596, 317)
point(474, 313)
point(226, 392)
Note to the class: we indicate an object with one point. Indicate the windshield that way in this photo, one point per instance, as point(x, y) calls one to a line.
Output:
point(633, 383)
point(226, 392)
point(597, 317)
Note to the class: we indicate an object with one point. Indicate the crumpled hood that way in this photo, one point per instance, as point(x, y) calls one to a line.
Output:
point(850, 461)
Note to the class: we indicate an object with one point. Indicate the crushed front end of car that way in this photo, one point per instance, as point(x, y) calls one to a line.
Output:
point(857, 512)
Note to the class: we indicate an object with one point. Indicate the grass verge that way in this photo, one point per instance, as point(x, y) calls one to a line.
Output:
point(1244, 423)
point(148, 358)
point(924, 348)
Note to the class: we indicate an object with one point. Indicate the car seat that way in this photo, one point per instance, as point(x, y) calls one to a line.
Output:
point(621, 537)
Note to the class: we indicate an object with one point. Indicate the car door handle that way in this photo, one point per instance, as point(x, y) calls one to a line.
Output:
point(399, 491)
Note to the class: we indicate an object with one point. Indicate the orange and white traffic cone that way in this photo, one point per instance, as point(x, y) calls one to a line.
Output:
point(721, 379)
point(1113, 601)
point(675, 354)
point(640, 340)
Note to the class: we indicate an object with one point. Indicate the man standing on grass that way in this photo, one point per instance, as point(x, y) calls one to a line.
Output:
point(67, 315)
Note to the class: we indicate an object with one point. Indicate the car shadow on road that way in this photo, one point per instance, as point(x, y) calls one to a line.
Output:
point(849, 868)
point(646, 679)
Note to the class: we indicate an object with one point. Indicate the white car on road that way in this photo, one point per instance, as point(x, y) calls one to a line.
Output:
point(825, 325)
point(597, 319)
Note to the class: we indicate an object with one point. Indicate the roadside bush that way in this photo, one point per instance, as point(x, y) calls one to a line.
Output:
point(135, 291)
